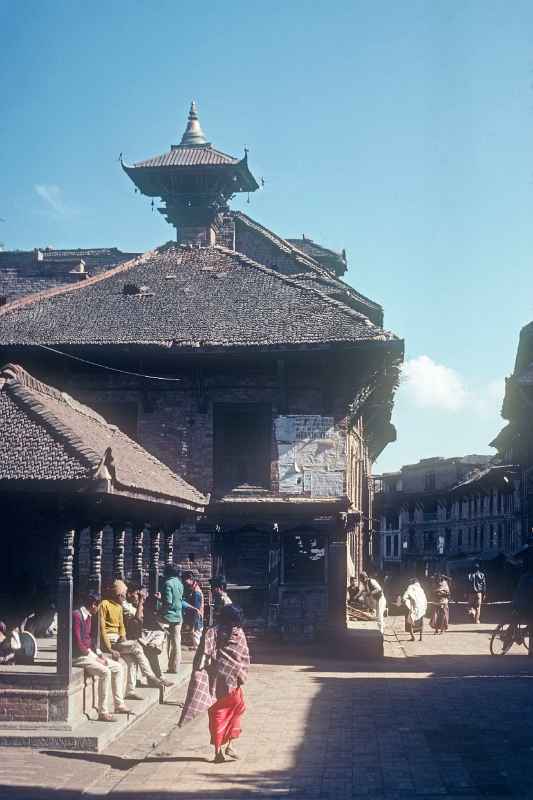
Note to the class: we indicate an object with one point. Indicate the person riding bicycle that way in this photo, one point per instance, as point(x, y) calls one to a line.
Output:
point(523, 601)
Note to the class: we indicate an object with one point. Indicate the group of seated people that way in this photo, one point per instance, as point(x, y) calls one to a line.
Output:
point(133, 630)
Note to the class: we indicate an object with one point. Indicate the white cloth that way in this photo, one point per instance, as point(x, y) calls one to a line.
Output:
point(379, 605)
point(415, 599)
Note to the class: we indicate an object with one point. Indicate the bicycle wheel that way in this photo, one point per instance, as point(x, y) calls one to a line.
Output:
point(524, 639)
point(502, 639)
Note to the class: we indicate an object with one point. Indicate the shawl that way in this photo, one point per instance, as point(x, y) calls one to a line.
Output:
point(222, 659)
point(415, 599)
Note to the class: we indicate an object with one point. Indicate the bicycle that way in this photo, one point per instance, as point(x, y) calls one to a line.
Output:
point(506, 634)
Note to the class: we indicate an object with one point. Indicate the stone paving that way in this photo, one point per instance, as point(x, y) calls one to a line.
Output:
point(435, 719)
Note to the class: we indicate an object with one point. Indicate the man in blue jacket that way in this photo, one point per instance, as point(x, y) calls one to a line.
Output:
point(173, 605)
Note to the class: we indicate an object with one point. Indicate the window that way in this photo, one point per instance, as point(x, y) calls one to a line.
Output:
point(500, 535)
point(3, 299)
point(392, 547)
point(460, 538)
point(429, 481)
point(304, 558)
point(429, 541)
point(481, 537)
point(396, 545)
point(242, 445)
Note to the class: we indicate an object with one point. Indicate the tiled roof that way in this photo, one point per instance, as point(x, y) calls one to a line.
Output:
point(196, 298)
point(313, 273)
point(46, 435)
point(188, 157)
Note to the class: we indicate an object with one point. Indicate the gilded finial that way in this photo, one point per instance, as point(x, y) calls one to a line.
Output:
point(194, 135)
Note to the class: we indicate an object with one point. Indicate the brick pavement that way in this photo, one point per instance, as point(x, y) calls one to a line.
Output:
point(437, 719)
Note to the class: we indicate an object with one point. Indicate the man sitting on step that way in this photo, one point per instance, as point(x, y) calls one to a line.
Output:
point(85, 654)
point(114, 641)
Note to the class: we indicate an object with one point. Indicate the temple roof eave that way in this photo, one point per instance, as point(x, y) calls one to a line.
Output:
point(148, 178)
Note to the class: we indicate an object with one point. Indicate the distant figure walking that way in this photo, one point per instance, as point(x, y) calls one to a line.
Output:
point(415, 602)
point(478, 590)
point(375, 598)
point(441, 614)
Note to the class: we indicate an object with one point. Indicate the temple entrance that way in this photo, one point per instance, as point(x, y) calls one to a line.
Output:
point(243, 557)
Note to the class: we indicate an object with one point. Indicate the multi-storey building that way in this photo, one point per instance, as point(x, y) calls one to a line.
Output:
point(445, 508)
point(515, 441)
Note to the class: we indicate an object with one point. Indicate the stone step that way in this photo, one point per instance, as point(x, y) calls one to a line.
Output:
point(89, 735)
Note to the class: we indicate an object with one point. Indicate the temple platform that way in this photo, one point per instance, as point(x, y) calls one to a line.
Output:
point(37, 709)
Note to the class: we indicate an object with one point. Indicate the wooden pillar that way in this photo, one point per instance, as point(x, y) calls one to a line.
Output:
point(138, 568)
point(64, 607)
point(155, 547)
point(119, 538)
point(337, 575)
point(274, 567)
point(95, 568)
point(169, 547)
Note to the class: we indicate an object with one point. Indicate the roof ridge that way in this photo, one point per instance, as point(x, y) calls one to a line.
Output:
point(291, 281)
point(282, 243)
point(286, 246)
point(28, 300)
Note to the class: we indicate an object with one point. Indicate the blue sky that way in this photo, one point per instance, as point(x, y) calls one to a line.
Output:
point(400, 131)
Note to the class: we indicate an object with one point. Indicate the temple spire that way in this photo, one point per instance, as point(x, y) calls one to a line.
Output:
point(194, 134)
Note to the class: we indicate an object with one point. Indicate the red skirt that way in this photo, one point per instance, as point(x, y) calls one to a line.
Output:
point(225, 718)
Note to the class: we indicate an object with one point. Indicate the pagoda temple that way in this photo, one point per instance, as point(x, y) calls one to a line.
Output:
point(194, 181)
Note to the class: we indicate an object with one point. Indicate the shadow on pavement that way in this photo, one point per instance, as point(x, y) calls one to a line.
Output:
point(452, 726)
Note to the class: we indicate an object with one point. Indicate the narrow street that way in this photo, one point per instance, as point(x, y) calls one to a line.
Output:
point(440, 718)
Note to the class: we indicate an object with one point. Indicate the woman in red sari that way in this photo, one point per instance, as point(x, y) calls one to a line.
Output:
point(216, 683)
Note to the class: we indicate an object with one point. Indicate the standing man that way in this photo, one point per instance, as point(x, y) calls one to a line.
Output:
point(375, 598)
point(85, 654)
point(478, 590)
point(173, 605)
point(195, 597)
